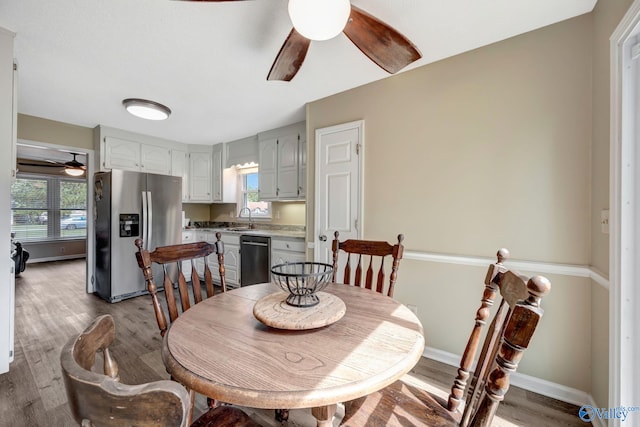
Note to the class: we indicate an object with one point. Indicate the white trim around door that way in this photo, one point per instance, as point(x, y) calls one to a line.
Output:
point(624, 244)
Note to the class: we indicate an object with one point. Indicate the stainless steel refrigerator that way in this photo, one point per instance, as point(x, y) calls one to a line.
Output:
point(128, 206)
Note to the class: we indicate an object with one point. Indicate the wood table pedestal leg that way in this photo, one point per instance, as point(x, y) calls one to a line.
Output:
point(324, 415)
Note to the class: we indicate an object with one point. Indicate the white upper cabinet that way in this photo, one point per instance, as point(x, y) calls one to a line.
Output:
point(288, 166)
point(302, 166)
point(155, 159)
point(135, 156)
point(216, 172)
point(281, 165)
point(268, 169)
point(200, 182)
point(180, 167)
point(121, 154)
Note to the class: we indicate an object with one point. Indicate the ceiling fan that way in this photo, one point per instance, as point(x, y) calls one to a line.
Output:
point(72, 167)
point(378, 41)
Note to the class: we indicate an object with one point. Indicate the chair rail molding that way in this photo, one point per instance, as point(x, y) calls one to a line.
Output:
point(529, 266)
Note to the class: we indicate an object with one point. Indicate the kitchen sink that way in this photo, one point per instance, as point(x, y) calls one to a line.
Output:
point(238, 229)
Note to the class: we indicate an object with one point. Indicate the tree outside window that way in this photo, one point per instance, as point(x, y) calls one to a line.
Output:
point(48, 208)
point(249, 197)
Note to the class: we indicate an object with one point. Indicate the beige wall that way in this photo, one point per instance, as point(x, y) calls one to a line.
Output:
point(488, 149)
point(52, 132)
point(284, 213)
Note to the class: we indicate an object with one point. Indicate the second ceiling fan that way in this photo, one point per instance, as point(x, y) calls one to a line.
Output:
point(378, 41)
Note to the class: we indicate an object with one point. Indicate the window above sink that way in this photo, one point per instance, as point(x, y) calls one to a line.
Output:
point(248, 196)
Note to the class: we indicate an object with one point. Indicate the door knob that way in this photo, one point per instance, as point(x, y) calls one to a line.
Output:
point(322, 238)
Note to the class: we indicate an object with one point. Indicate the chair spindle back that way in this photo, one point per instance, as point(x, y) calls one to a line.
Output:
point(183, 256)
point(369, 260)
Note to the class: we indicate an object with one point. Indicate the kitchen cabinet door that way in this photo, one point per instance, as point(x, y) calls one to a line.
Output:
point(231, 260)
point(232, 265)
point(155, 159)
point(287, 181)
point(121, 154)
point(302, 167)
point(268, 169)
point(180, 167)
point(216, 173)
point(200, 177)
point(284, 250)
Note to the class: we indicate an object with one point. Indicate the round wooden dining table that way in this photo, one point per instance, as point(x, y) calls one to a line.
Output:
point(219, 349)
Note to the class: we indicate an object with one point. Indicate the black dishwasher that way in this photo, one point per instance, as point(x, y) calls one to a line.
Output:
point(255, 263)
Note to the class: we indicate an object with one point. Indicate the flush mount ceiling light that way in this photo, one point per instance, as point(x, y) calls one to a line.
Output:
point(319, 20)
point(146, 109)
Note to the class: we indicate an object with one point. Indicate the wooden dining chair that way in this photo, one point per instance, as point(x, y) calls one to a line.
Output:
point(508, 336)
point(375, 254)
point(100, 399)
point(177, 257)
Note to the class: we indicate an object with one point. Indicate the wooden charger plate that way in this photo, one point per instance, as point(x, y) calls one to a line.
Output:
point(272, 310)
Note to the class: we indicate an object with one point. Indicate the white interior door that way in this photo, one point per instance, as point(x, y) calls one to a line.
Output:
point(339, 183)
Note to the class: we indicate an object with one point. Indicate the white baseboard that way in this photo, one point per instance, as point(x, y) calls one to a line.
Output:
point(527, 382)
point(597, 421)
point(55, 258)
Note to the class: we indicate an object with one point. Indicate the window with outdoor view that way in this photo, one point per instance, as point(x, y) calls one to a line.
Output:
point(48, 208)
point(248, 180)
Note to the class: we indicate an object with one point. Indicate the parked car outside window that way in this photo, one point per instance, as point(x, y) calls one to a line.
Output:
point(73, 222)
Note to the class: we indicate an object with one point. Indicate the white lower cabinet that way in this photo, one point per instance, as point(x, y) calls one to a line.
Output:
point(287, 250)
point(188, 236)
point(231, 259)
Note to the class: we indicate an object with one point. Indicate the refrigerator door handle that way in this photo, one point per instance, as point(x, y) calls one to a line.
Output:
point(149, 214)
point(145, 221)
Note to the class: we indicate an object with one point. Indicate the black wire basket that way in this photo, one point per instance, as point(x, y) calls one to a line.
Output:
point(302, 280)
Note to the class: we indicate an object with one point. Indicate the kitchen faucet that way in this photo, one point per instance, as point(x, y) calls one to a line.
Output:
point(250, 220)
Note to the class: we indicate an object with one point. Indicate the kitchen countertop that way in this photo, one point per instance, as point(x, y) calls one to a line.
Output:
point(292, 234)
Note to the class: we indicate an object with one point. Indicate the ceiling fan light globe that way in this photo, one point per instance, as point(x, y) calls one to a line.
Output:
point(319, 19)
point(73, 171)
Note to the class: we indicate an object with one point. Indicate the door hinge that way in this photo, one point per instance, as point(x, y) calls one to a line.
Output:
point(355, 223)
point(15, 67)
point(358, 149)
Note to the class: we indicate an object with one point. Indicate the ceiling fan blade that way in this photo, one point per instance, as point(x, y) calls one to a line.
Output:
point(382, 44)
point(44, 165)
point(290, 57)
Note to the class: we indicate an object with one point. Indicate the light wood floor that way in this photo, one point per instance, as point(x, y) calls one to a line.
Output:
point(52, 306)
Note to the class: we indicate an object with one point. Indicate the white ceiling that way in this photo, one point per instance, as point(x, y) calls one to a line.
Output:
point(78, 59)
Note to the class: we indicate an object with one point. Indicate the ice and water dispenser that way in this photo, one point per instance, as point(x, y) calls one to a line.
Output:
point(129, 225)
